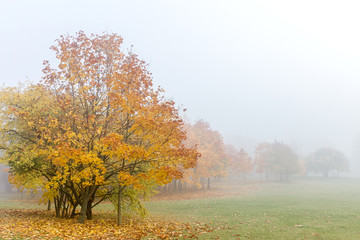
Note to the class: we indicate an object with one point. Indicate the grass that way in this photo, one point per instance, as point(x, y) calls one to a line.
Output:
point(316, 209)
point(307, 209)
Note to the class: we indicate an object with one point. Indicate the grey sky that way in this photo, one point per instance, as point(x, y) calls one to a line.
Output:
point(255, 70)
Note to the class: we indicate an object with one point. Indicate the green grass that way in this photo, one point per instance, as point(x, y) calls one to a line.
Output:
point(308, 209)
point(317, 209)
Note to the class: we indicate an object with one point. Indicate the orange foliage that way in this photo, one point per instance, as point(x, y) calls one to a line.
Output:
point(241, 163)
point(260, 158)
point(213, 158)
point(101, 123)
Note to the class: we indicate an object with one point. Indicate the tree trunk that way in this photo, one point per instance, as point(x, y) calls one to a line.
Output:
point(208, 183)
point(119, 207)
point(72, 215)
point(89, 209)
point(64, 208)
point(84, 206)
point(49, 205)
point(57, 206)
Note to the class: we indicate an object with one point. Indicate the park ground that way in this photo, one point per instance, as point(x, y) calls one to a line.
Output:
point(303, 209)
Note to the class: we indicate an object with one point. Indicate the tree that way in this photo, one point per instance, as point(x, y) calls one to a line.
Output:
point(94, 127)
point(242, 164)
point(231, 153)
point(17, 138)
point(239, 162)
point(277, 159)
point(327, 160)
point(282, 161)
point(212, 162)
point(260, 158)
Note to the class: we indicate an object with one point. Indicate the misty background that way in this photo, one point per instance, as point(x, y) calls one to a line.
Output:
point(255, 70)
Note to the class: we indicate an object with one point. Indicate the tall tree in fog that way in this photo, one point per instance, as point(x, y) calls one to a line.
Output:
point(276, 159)
point(282, 161)
point(213, 160)
point(231, 153)
point(326, 161)
point(241, 164)
point(94, 127)
point(260, 159)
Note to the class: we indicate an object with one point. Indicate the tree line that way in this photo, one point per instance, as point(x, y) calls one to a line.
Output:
point(270, 161)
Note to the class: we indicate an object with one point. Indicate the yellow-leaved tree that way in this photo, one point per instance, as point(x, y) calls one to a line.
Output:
point(213, 160)
point(94, 127)
point(241, 164)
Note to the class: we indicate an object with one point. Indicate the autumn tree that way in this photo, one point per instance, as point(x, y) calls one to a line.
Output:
point(241, 164)
point(18, 139)
point(282, 161)
point(231, 151)
point(276, 159)
point(327, 160)
point(98, 128)
point(212, 162)
point(260, 162)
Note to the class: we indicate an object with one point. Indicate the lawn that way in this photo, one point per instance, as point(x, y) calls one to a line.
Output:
point(305, 209)
point(311, 209)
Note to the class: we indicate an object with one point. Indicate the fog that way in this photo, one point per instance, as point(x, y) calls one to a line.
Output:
point(255, 70)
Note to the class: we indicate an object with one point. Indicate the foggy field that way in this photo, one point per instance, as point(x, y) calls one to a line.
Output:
point(305, 209)
point(316, 209)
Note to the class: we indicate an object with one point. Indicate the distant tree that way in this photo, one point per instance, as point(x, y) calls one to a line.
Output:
point(260, 158)
point(231, 153)
point(327, 160)
point(302, 167)
point(241, 164)
point(276, 159)
point(282, 161)
point(212, 162)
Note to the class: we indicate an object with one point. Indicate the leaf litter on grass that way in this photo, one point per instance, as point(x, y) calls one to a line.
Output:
point(41, 224)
